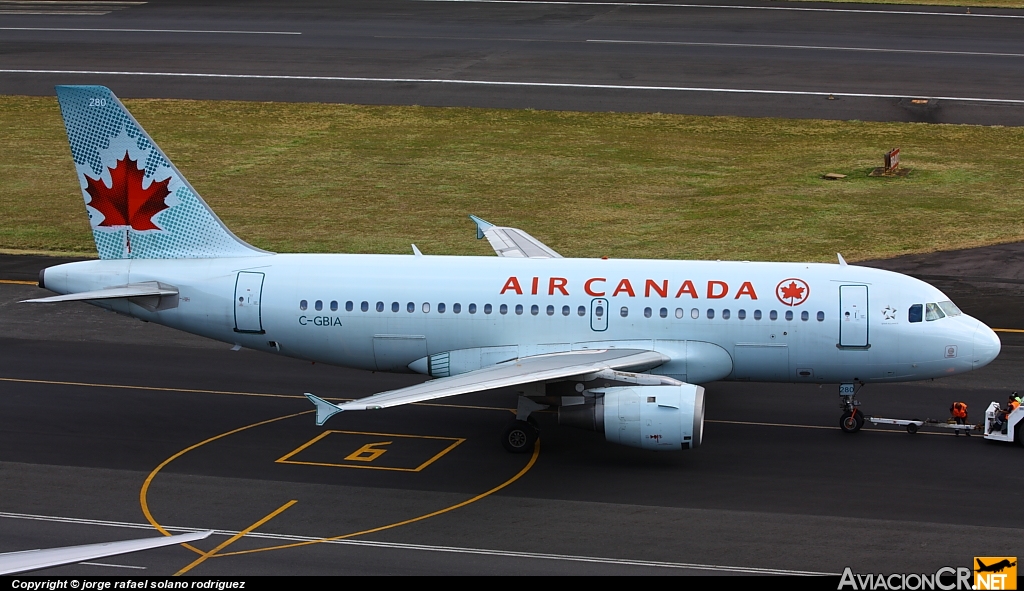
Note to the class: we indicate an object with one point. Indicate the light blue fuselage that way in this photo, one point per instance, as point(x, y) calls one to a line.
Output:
point(717, 326)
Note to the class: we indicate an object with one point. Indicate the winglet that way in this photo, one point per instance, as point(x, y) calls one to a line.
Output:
point(481, 226)
point(324, 409)
point(842, 261)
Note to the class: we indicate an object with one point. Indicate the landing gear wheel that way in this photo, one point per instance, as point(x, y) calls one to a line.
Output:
point(851, 421)
point(519, 437)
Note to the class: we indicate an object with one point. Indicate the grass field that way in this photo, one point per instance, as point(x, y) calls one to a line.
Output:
point(343, 178)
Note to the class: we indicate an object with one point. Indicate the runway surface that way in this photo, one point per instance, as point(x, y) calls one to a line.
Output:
point(102, 415)
point(717, 58)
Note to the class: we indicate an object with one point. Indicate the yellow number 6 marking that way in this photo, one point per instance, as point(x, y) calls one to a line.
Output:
point(368, 452)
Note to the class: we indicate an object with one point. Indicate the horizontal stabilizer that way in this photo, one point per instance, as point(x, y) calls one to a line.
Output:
point(132, 290)
point(512, 242)
point(29, 560)
point(324, 409)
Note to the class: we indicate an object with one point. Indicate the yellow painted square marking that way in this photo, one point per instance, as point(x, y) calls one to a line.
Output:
point(373, 451)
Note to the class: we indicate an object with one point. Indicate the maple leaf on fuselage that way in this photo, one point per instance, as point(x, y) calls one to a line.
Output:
point(125, 202)
point(792, 291)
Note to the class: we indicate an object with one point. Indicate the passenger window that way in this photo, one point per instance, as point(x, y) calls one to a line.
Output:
point(773, 315)
point(425, 307)
point(380, 306)
point(789, 314)
point(648, 312)
point(599, 311)
point(741, 314)
point(757, 314)
point(932, 312)
point(695, 313)
point(364, 306)
point(711, 314)
point(318, 305)
point(582, 311)
point(624, 311)
point(679, 312)
point(821, 316)
point(440, 308)
point(348, 306)
point(488, 309)
point(302, 305)
point(395, 306)
point(805, 316)
point(410, 307)
point(519, 309)
point(725, 314)
point(472, 308)
point(456, 308)
point(566, 311)
point(663, 312)
point(503, 309)
point(334, 306)
point(534, 309)
point(551, 310)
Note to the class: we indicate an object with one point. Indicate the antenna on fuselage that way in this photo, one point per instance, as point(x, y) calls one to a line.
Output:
point(416, 251)
point(842, 261)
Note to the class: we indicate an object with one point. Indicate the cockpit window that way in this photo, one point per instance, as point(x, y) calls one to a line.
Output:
point(916, 312)
point(950, 308)
point(933, 312)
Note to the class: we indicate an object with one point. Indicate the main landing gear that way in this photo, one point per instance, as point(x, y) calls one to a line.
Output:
point(852, 418)
point(521, 434)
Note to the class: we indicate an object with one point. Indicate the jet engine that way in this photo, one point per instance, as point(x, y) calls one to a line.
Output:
point(667, 417)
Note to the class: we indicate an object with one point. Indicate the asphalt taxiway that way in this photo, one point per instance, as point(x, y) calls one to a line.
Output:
point(724, 57)
point(112, 428)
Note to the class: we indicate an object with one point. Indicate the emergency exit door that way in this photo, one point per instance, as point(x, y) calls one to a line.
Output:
point(853, 316)
point(599, 314)
point(248, 292)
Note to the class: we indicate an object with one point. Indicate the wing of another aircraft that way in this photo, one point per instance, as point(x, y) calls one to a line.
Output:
point(525, 370)
point(29, 560)
point(512, 242)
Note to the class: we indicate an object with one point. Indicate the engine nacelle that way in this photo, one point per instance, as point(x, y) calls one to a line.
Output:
point(649, 417)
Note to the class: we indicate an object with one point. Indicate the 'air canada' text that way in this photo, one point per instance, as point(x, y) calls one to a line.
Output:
point(648, 288)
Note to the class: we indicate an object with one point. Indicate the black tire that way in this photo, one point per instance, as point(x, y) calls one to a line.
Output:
point(851, 421)
point(911, 428)
point(519, 437)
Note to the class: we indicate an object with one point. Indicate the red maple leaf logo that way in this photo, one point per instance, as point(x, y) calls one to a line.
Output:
point(792, 292)
point(125, 202)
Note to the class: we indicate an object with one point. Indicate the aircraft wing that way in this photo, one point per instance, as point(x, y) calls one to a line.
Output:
point(29, 560)
point(132, 290)
point(512, 242)
point(524, 370)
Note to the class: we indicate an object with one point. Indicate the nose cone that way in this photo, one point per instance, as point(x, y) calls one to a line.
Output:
point(986, 346)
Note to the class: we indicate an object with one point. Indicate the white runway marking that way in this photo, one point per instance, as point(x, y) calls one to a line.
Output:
point(150, 31)
point(525, 84)
point(426, 548)
point(113, 565)
point(811, 47)
point(727, 7)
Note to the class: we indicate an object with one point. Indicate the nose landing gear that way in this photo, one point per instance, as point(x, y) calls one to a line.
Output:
point(852, 418)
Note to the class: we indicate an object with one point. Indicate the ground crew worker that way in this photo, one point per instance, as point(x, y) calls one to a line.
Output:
point(1002, 421)
point(959, 412)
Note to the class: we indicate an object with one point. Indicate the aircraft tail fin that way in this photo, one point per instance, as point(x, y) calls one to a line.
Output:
point(140, 206)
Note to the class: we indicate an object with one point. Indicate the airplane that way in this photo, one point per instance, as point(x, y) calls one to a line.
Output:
point(994, 567)
point(621, 347)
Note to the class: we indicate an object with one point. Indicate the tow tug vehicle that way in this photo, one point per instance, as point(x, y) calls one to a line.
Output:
point(1014, 424)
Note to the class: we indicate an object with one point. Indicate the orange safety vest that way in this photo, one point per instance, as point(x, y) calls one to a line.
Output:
point(960, 410)
point(1012, 406)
